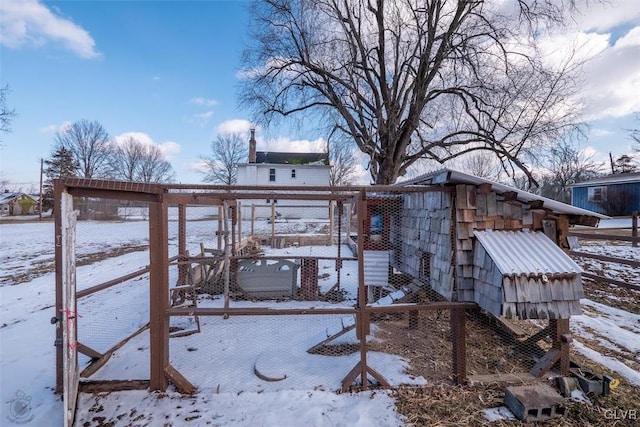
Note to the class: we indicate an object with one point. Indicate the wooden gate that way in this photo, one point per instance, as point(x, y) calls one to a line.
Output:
point(68, 315)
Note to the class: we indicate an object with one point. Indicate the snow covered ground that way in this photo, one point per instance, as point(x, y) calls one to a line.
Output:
point(233, 396)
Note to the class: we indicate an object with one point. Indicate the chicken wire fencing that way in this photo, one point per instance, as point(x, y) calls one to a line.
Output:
point(112, 292)
point(308, 289)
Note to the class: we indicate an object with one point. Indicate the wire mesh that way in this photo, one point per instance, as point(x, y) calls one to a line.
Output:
point(112, 286)
point(293, 291)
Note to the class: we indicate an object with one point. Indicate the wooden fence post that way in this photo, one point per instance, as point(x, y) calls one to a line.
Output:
point(634, 229)
point(158, 295)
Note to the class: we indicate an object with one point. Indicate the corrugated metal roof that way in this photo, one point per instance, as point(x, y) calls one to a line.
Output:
point(620, 178)
point(452, 176)
point(525, 252)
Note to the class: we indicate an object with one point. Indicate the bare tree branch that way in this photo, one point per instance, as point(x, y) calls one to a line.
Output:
point(409, 80)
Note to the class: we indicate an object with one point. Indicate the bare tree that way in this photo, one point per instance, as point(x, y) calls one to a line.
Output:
point(126, 158)
point(154, 167)
point(6, 114)
point(413, 79)
point(132, 160)
point(482, 164)
point(566, 165)
point(90, 145)
point(227, 150)
point(343, 161)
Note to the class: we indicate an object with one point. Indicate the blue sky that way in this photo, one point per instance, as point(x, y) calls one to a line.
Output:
point(166, 71)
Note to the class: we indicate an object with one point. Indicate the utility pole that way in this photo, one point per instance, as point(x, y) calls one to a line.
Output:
point(40, 200)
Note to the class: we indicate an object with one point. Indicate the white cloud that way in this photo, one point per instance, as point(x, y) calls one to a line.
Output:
point(613, 79)
point(606, 15)
point(155, 79)
point(202, 118)
point(203, 101)
point(168, 147)
point(54, 128)
point(28, 22)
point(600, 132)
point(234, 126)
point(285, 144)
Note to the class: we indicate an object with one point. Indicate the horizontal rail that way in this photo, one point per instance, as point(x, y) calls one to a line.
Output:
point(611, 281)
point(588, 236)
point(119, 280)
point(632, 263)
point(265, 311)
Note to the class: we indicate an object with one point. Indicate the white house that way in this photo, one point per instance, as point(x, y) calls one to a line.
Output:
point(284, 169)
point(17, 204)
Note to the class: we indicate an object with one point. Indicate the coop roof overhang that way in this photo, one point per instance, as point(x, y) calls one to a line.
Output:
point(526, 253)
point(576, 215)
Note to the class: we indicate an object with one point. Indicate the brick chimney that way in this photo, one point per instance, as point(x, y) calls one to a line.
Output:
point(252, 146)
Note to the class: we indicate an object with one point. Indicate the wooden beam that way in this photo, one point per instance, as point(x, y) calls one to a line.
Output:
point(611, 281)
point(635, 264)
point(458, 338)
point(104, 358)
point(179, 381)
point(88, 351)
point(561, 336)
point(106, 386)
point(159, 296)
point(545, 363)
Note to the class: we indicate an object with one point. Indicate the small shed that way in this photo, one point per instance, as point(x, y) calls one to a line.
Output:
point(523, 274)
point(17, 204)
point(617, 194)
point(472, 239)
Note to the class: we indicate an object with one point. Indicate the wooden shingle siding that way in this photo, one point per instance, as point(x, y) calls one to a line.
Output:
point(425, 227)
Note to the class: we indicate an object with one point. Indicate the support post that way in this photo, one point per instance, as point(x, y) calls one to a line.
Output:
point(561, 336)
point(458, 338)
point(159, 295)
point(182, 244)
point(273, 220)
point(253, 219)
point(634, 229)
point(57, 210)
point(331, 221)
point(362, 320)
point(220, 217)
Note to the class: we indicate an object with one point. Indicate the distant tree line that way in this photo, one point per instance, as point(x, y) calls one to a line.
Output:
point(85, 149)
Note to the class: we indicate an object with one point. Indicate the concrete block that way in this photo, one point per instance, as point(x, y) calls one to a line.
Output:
point(537, 402)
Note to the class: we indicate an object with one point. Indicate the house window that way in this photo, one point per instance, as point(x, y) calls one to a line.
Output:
point(425, 266)
point(597, 194)
point(272, 175)
point(293, 173)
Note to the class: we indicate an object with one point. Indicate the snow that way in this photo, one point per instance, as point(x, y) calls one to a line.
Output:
point(228, 395)
point(497, 414)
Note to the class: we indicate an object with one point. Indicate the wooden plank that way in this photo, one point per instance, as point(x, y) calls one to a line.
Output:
point(611, 281)
point(509, 291)
point(492, 204)
point(350, 378)
point(632, 263)
point(501, 379)
point(458, 337)
point(545, 363)
point(481, 204)
point(178, 380)
point(158, 296)
point(106, 386)
point(88, 351)
point(549, 228)
point(93, 367)
point(461, 196)
point(587, 236)
point(561, 336)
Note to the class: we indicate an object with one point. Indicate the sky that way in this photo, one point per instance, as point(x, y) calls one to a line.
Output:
point(166, 72)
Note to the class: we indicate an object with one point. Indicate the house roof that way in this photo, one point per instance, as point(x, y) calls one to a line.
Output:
point(525, 252)
point(451, 176)
point(283, 158)
point(619, 178)
point(7, 197)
